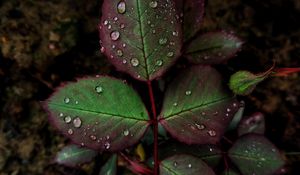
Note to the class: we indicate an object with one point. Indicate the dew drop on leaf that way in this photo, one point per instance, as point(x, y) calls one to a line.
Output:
point(67, 100)
point(175, 164)
point(190, 165)
point(70, 131)
point(98, 89)
point(67, 119)
point(124, 61)
point(188, 92)
point(61, 114)
point(125, 132)
point(122, 26)
point(134, 62)
point(119, 52)
point(93, 137)
point(228, 109)
point(162, 41)
point(102, 49)
point(170, 54)
point(121, 7)
point(153, 4)
point(77, 122)
point(114, 35)
point(159, 62)
point(200, 126)
point(105, 22)
point(212, 133)
point(175, 104)
point(106, 145)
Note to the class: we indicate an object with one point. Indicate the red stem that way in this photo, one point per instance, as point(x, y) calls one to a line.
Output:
point(155, 128)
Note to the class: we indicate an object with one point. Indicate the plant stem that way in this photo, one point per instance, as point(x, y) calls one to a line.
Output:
point(155, 128)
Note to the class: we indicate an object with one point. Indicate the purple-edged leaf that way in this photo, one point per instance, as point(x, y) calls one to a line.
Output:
point(196, 108)
point(210, 154)
point(254, 154)
point(252, 124)
point(110, 167)
point(193, 12)
point(183, 165)
point(230, 172)
point(142, 38)
point(73, 155)
point(213, 48)
point(101, 113)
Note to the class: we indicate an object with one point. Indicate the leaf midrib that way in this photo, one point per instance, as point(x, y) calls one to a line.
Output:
point(95, 112)
point(169, 169)
point(76, 154)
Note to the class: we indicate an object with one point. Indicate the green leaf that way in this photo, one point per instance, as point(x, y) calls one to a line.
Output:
point(244, 82)
point(252, 124)
point(237, 117)
point(254, 154)
point(183, 165)
point(230, 172)
point(142, 38)
point(213, 48)
point(110, 167)
point(196, 108)
point(73, 155)
point(101, 113)
point(193, 12)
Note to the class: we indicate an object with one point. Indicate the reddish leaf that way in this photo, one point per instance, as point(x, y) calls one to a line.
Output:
point(193, 12)
point(183, 165)
point(196, 108)
point(213, 48)
point(254, 154)
point(281, 72)
point(101, 113)
point(142, 38)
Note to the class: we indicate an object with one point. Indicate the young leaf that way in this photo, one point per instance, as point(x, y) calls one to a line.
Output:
point(110, 167)
point(213, 48)
point(142, 38)
point(73, 155)
point(101, 113)
point(193, 12)
point(237, 117)
point(196, 108)
point(184, 164)
point(252, 124)
point(254, 154)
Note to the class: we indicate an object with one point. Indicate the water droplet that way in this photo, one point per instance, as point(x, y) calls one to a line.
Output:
point(200, 126)
point(210, 149)
point(61, 114)
point(76, 102)
point(188, 92)
point(170, 54)
point(67, 119)
point(109, 26)
point(162, 41)
point(114, 35)
point(98, 89)
point(263, 159)
point(159, 62)
point(119, 53)
point(234, 105)
point(203, 113)
point(124, 61)
point(190, 165)
point(134, 62)
point(106, 145)
point(122, 26)
point(175, 33)
point(115, 18)
point(113, 46)
point(123, 45)
point(105, 22)
point(175, 164)
point(70, 131)
point(121, 7)
point(107, 137)
point(126, 132)
point(93, 137)
point(102, 49)
point(228, 109)
point(82, 144)
point(175, 104)
point(67, 100)
point(212, 133)
point(153, 4)
point(77, 122)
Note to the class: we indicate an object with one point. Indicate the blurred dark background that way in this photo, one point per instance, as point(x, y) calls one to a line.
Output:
point(44, 43)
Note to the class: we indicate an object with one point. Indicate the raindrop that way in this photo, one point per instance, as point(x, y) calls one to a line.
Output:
point(115, 18)
point(105, 22)
point(212, 133)
point(113, 46)
point(115, 35)
point(124, 61)
point(153, 31)
point(188, 92)
point(122, 26)
point(106, 145)
point(201, 127)
point(98, 89)
point(126, 132)
point(121, 7)
point(93, 137)
point(210, 149)
point(67, 100)
point(203, 113)
point(159, 62)
point(234, 105)
point(190, 165)
point(153, 4)
point(70, 131)
point(170, 54)
point(175, 104)
point(134, 62)
point(82, 144)
point(228, 109)
point(77, 122)
point(175, 164)
point(123, 45)
point(175, 33)
point(216, 113)
point(162, 41)
point(67, 119)
point(119, 53)
point(102, 49)
point(61, 114)
point(107, 137)
point(109, 26)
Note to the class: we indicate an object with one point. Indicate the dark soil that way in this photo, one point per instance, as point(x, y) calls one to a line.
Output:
point(44, 43)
